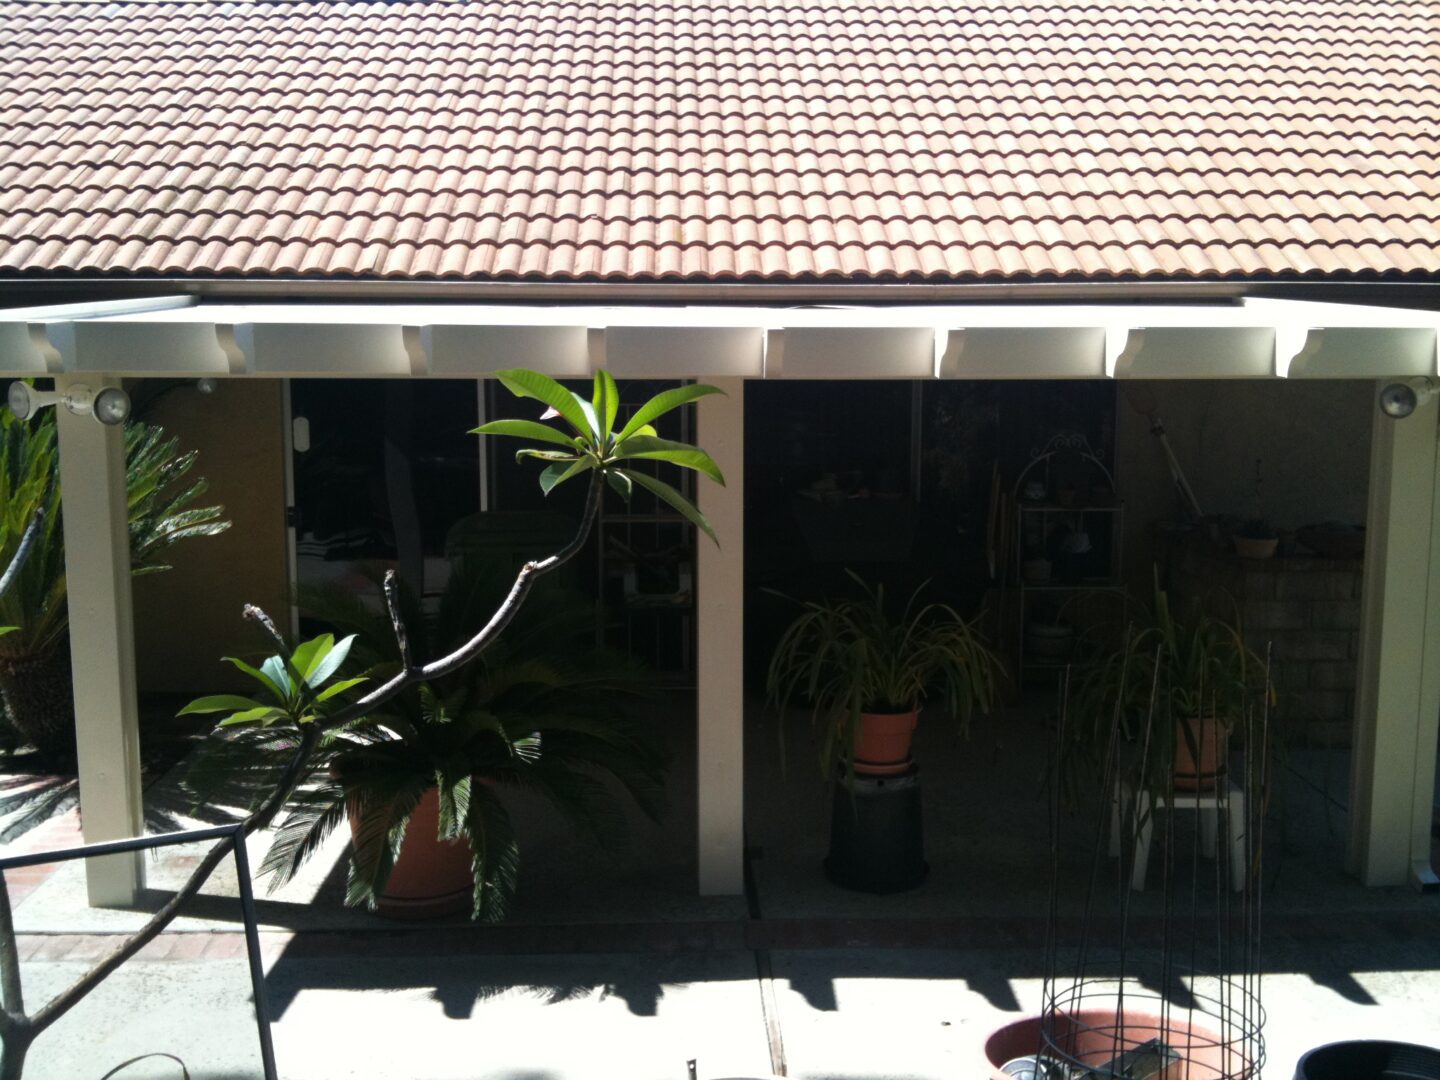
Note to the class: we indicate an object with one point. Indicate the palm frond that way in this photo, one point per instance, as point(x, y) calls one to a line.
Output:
point(313, 816)
point(495, 855)
point(379, 810)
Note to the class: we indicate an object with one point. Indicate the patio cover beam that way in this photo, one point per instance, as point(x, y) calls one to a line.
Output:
point(1250, 338)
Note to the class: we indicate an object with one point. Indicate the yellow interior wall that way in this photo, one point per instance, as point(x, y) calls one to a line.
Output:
point(187, 618)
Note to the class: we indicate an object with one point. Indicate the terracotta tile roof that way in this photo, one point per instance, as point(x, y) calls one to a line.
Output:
point(720, 139)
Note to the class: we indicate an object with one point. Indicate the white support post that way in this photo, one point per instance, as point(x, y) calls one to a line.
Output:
point(720, 692)
point(1398, 690)
point(102, 645)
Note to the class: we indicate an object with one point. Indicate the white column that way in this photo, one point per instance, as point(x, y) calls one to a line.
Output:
point(102, 646)
point(1397, 702)
point(720, 692)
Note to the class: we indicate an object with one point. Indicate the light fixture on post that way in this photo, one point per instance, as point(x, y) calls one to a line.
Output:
point(110, 405)
point(1399, 399)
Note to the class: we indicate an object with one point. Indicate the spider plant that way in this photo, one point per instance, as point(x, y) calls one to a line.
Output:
point(1173, 670)
point(851, 656)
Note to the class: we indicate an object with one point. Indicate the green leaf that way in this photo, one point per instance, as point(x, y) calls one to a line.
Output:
point(220, 703)
point(454, 806)
point(532, 384)
point(590, 417)
point(259, 676)
point(667, 493)
point(544, 455)
point(663, 403)
point(338, 688)
point(310, 653)
point(607, 403)
point(263, 715)
point(620, 482)
point(677, 453)
point(525, 429)
point(555, 475)
point(326, 665)
point(274, 669)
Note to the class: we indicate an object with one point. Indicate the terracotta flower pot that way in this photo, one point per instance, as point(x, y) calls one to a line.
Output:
point(1089, 1036)
point(1212, 739)
point(432, 877)
point(1249, 547)
point(882, 745)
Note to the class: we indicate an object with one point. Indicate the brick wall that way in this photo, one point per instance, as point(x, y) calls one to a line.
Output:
point(1308, 610)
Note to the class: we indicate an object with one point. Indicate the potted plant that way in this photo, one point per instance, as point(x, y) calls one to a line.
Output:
point(865, 672)
point(1256, 539)
point(432, 750)
point(422, 783)
point(1179, 683)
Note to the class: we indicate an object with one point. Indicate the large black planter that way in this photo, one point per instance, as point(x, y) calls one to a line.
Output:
point(1370, 1061)
point(877, 844)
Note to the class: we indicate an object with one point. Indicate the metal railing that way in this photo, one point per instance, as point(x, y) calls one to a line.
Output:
point(234, 837)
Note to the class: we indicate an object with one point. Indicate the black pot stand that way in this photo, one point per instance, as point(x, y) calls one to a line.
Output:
point(877, 842)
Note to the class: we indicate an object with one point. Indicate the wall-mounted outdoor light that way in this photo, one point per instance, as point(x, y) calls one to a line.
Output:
point(1399, 399)
point(110, 406)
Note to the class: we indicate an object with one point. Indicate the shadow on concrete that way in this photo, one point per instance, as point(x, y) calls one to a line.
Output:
point(28, 800)
point(458, 984)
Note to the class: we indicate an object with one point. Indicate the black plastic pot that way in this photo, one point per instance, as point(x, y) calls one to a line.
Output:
point(1370, 1061)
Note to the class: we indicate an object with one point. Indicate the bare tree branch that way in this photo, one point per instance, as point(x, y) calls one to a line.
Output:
point(402, 639)
point(75, 993)
point(524, 581)
point(14, 994)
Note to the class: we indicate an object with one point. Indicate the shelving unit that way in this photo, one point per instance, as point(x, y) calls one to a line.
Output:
point(1069, 536)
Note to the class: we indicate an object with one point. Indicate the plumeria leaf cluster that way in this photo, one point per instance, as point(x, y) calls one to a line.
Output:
point(594, 443)
point(290, 688)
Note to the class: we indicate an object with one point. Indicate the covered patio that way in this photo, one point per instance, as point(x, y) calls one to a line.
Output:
point(1227, 338)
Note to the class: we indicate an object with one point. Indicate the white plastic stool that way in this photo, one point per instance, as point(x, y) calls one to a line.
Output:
point(1206, 803)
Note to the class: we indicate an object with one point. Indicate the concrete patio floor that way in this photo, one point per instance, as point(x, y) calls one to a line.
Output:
point(612, 967)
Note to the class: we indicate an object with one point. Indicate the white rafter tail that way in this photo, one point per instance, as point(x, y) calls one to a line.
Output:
point(596, 349)
point(413, 342)
point(1291, 342)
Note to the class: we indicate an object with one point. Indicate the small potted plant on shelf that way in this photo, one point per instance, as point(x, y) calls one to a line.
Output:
point(1180, 682)
point(1256, 539)
point(865, 671)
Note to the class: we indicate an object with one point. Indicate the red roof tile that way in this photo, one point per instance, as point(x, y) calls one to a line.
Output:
point(721, 139)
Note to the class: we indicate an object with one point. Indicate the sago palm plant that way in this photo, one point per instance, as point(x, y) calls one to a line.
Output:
point(35, 657)
point(540, 708)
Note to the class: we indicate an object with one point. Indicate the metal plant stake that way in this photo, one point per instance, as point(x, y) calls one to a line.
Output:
point(1163, 986)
